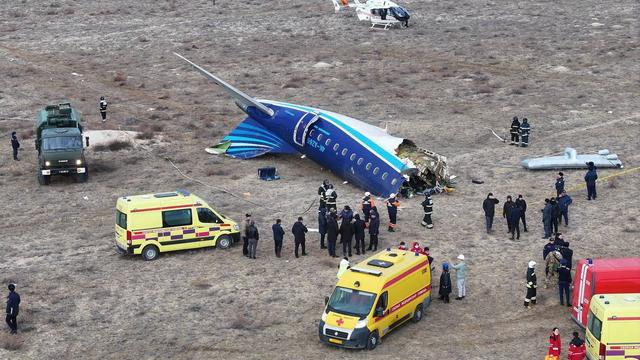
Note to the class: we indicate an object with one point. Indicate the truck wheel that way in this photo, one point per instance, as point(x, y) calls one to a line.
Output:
point(417, 315)
point(150, 252)
point(82, 178)
point(373, 340)
point(44, 179)
point(224, 242)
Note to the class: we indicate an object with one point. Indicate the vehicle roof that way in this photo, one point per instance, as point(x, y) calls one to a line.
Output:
point(51, 132)
point(158, 201)
point(402, 260)
point(627, 304)
point(615, 266)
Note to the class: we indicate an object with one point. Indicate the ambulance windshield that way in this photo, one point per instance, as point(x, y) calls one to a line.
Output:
point(351, 302)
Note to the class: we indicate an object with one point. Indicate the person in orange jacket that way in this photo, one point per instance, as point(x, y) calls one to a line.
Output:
point(577, 350)
point(555, 345)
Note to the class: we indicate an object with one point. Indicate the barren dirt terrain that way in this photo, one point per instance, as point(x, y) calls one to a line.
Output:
point(571, 67)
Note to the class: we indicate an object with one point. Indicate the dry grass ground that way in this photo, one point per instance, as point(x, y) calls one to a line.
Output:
point(570, 67)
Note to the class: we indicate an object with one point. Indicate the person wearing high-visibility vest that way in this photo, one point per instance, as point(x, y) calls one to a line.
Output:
point(392, 207)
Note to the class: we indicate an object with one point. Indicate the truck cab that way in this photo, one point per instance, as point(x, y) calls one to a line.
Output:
point(60, 144)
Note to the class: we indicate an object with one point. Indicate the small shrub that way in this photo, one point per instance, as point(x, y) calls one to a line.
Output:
point(11, 342)
point(101, 166)
point(115, 145)
point(200, 284)
point(120, 77)
point(145, 134)
point(217, 172)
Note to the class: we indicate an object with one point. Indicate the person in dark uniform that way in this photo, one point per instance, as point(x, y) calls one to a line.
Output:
point(445, 284)
point(346, 236)
point(13, 308)
point(278, 236)
point(559, 183)
point(555, 214)
point(103, 108)
point(358, 233)
point(567, 253)
point(367, 204)
point(532, 284)
point(331, 198)
point(547, 213)
point(590, 178)
point(346, 214)
point(374, 229)
point(392, 208)
point(564, 200)
point(322, 225)
point(564, 281)
point(522, 204)
point(322, 194)
point(243, 232)
point(515, 131)
point(427, 207)
point(548, 248)
point(299, 230)
point(489, 207)
point(525, 130)
point(332, 233)
point(15, 144)
point(252, 238)
point(513, 218)
point(506, 210)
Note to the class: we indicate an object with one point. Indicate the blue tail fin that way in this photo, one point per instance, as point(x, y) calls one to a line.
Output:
point(249, 140)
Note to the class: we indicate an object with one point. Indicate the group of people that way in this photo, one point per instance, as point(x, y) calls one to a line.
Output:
point(577, 348)
point(520, 132)
point(250, 236)
point(513, 211)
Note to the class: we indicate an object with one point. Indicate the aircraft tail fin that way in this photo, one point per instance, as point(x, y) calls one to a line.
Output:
point(243, 100)
point(250, 139)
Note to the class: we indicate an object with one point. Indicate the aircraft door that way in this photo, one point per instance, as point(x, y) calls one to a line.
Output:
point(302, 128)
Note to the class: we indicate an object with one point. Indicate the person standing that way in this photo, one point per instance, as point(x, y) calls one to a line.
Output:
point(346, 236)
point(559, 183)
point(522, 204)
point(392, 208)
point(577, 349)
point(590, 178)
point(15, 145)
point(252, 237)
point(547, 213)
point(103, 108)
point(515, 131)
point(489, 207)
point(358, 233)
point(555, 346)
point(346, 214)
point(367, 204)
point(564, 281)
point(564, 200)
point(525, 130)
point(461, 273)
point(427, 207)
point(13, 308)
point(567, 253)
point(343, 267)
point(322, 194)
point(278, 236)
point(513, 218)
point(374, 230)
point(331, 198)
point(548, 247)
point(243, 231)
point(445, 283)
point(532, 285)
point(555, 214)
point(322, 225)
point(299, 230)
point(332, 234)
point(506, 211)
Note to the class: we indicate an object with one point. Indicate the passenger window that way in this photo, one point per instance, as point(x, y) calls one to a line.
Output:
point(336, 147)
point(312, 132)
point(207, 216)
point(382, 302)
point(121, 219)
point(320, 137)
point(595, 325)
point(176, 218)
point(394, 181)
point(360, 161)
point(368, 167)
point(345, 151)
point(376, 171)
point(327, 142)
point(385, 176)
point(352, 157)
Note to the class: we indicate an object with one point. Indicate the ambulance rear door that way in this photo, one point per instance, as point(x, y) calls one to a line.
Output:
point(582, 293)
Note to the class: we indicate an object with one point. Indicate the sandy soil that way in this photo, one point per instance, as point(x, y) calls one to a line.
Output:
point(570, 67)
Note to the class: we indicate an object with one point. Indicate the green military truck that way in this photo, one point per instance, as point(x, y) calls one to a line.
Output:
point(59, 143)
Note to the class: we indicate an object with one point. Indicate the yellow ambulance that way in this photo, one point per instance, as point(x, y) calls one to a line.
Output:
point(154, 223)
point(375, 297)
point(613, 327)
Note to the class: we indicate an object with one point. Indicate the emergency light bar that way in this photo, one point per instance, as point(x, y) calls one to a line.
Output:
point(367, 271)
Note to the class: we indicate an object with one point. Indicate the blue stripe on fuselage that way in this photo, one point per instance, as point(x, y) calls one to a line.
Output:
point(384, 154)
